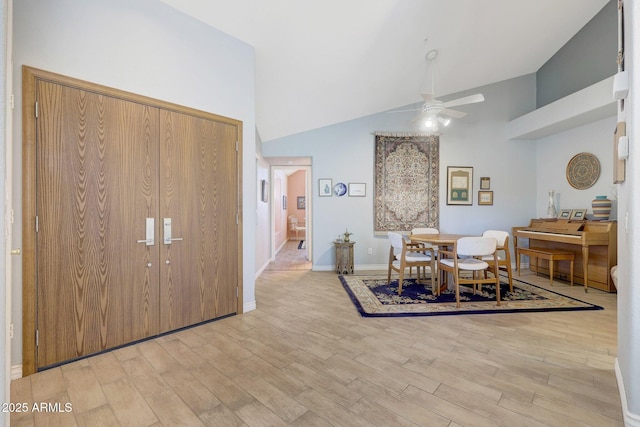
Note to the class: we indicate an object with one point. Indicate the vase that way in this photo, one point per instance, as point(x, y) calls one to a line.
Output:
point(551, 209)
point(601, 208)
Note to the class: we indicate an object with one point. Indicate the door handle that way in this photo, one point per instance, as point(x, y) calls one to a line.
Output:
point(150, 232)
point(167, 239)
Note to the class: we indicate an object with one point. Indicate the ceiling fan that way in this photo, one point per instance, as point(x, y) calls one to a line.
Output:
point(435, 113)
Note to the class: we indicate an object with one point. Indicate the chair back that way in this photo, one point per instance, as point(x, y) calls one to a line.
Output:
point(396, 240)
point(476, 246)
point(499, 235)
point(293, 222)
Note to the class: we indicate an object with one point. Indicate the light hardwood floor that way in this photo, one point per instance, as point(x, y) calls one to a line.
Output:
point(305, 357)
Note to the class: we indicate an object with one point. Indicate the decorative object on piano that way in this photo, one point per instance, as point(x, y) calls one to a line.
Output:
point(601, 206)
point(485, 197)
point(551, 208)
point(565, 214)
point(583, 171)
point(459, 185)
point(578, 214)
point(620, 153)
point(485, 183)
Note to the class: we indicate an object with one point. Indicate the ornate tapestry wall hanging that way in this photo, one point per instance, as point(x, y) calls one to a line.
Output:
point(406, 182)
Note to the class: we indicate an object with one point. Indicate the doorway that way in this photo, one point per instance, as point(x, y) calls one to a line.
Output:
point(291, 231)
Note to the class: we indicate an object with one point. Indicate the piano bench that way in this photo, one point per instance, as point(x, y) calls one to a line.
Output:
point(550, 255)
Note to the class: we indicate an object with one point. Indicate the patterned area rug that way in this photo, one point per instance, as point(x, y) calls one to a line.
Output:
point(374, 297)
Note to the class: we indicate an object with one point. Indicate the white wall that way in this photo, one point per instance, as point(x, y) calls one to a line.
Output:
point(279, 189)
point(628, 368)
point(145, 47)
point(263, 219)
point(554, 153)
point(345, 153)
point(5, 292)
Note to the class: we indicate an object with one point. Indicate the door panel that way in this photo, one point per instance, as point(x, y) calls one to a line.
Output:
point(200, 195)
point(96, 182)
point(97, 163)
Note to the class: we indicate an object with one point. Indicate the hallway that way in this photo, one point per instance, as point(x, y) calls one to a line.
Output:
point(290, 258)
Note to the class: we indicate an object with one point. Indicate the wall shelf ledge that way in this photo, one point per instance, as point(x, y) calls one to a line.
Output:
point(585, 106)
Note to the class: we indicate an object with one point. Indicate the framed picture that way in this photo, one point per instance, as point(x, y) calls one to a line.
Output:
point(485, 183)
point(357, 189)
point(578, 214)
point(302, 202)
point(325, 187)
point(264, 190)
point(565, 214)
point(619, 164)
point(284, 203)
point(459, 185)
point(485, 197)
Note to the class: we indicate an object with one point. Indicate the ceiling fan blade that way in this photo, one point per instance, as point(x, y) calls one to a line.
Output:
point(471, 99)
point(404, 111)
point(453, 113)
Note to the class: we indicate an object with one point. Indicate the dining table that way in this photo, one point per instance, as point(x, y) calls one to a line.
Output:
point(442, 241)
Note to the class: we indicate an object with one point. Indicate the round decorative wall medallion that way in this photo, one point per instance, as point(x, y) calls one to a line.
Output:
point(340, 189)
point(583, 171)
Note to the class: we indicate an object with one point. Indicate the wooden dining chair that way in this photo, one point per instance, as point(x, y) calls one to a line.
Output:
point(426, 230)
point(466, 266)
point(504, 254)
point(403, 254)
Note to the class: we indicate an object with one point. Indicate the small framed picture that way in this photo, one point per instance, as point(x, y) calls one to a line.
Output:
point(357, 189)
point(325, 187)
point(485, 183)
point(578, 214)
point(302, 202)
point(459, 185)
point(565, 214)
point(284, 203)
point(485, 197)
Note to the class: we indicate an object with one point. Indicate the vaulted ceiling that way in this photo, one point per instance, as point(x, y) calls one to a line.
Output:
point(324, 62)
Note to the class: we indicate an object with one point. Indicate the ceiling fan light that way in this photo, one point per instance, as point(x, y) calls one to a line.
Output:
point(445, 122)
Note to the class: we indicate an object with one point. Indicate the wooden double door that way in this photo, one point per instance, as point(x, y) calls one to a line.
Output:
point(136, 212)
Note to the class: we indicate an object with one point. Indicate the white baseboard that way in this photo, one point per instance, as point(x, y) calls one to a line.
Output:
point(262, 269)
point(248, 306)
point(16, 372)
point(630, 419)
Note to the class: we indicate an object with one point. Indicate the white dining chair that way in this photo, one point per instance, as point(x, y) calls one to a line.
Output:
point(403, 254)
point(466, 258)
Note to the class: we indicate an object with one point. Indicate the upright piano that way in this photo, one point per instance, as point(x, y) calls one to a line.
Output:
point(594, 244)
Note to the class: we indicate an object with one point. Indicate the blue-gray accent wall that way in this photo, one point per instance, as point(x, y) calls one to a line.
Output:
point(592, 51)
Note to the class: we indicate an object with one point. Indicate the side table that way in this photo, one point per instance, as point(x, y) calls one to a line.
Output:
point(344, 257)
